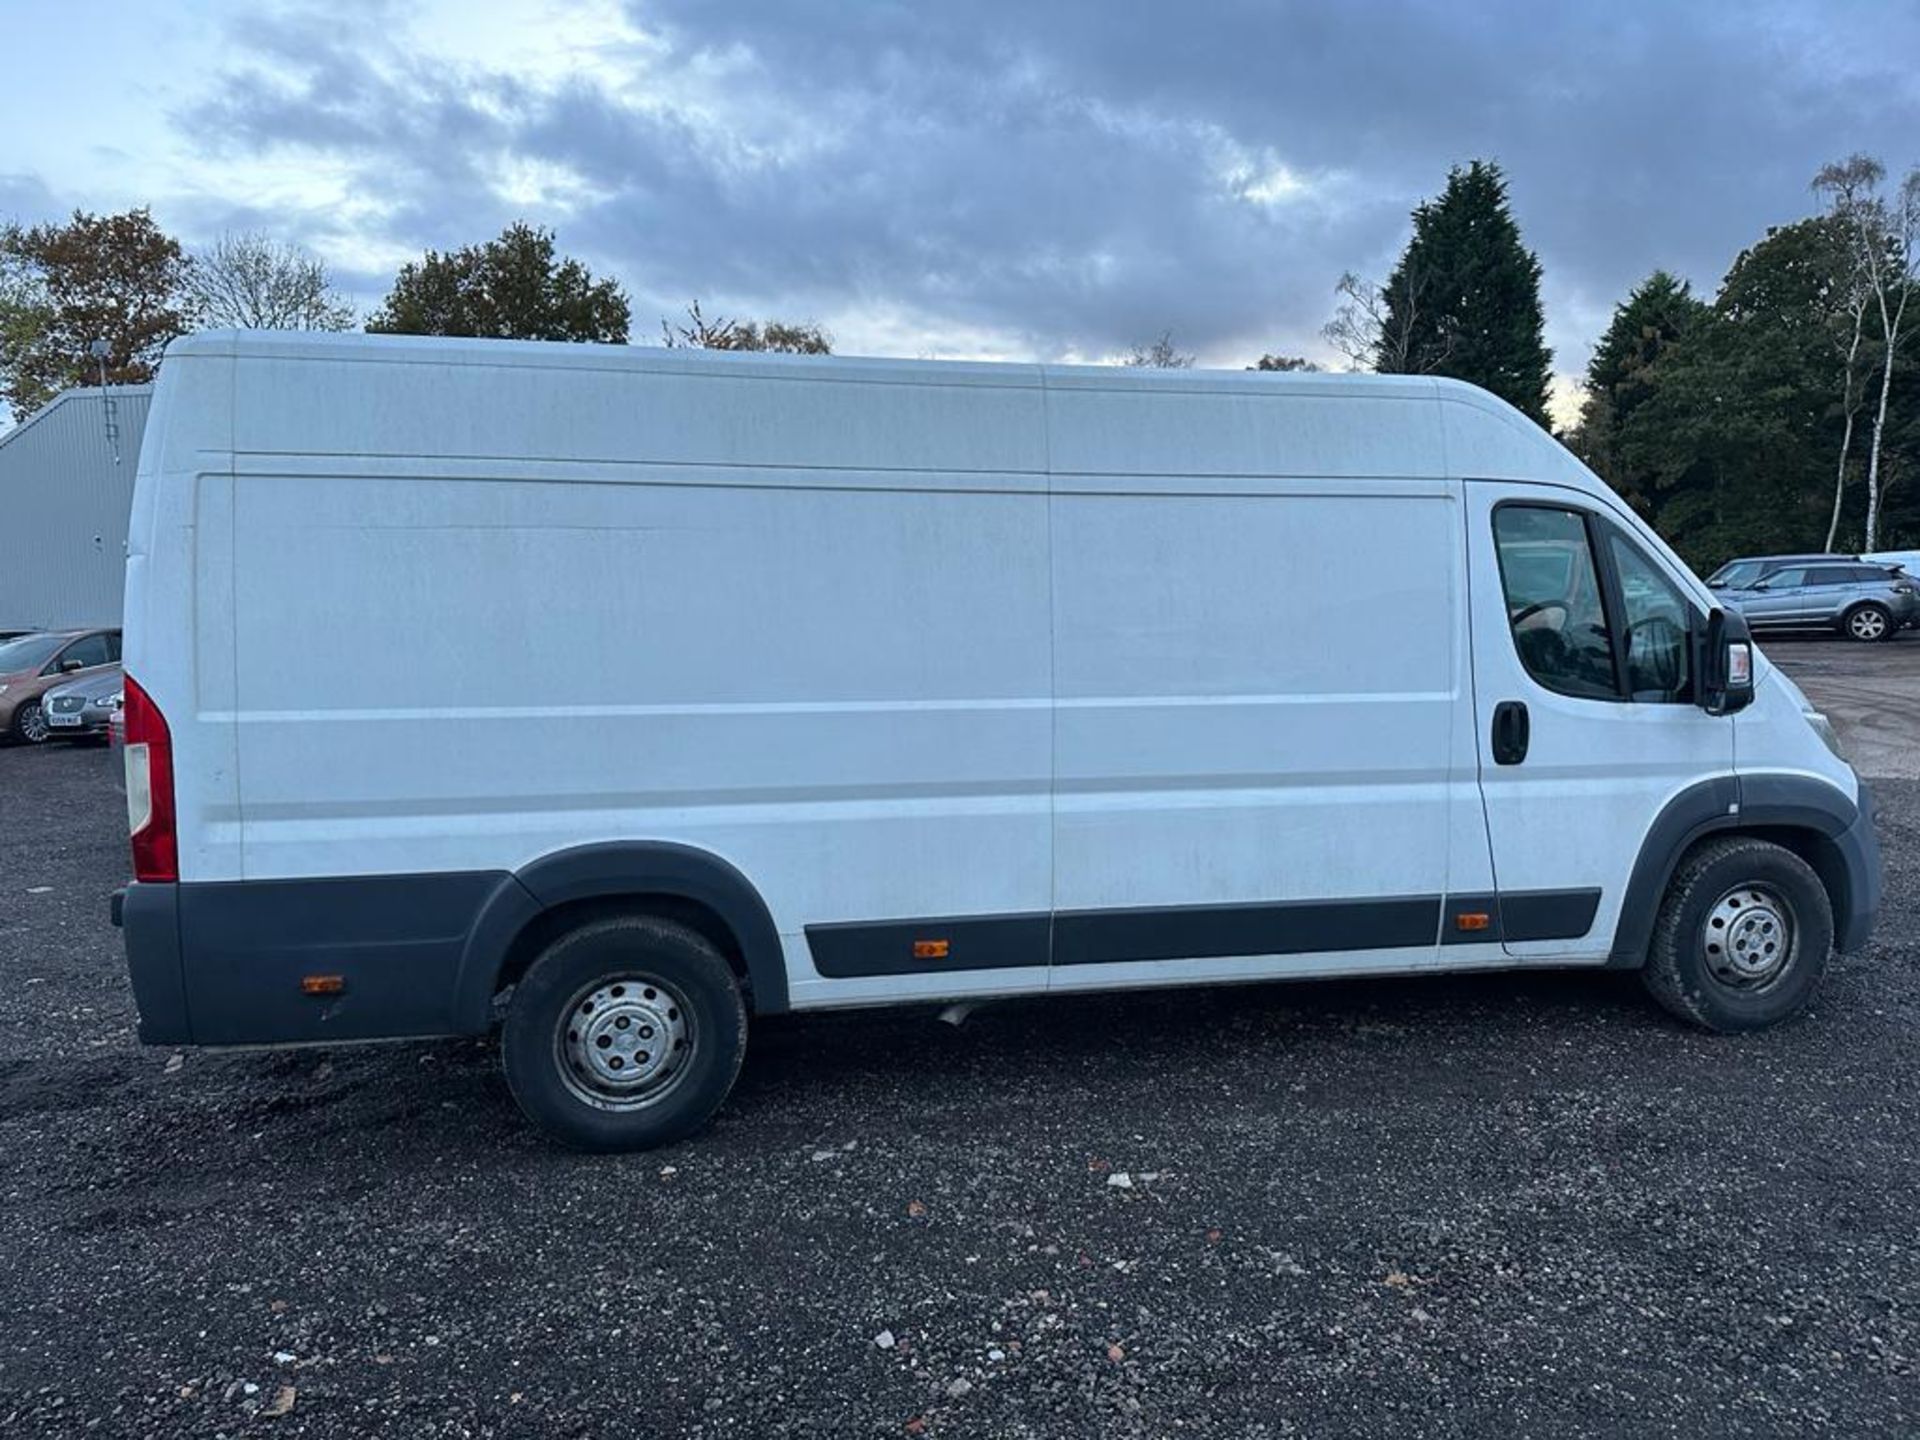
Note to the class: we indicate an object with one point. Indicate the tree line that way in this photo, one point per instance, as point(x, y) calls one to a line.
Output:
point(1776, 415)
point(1779, 415)
point(122, 280)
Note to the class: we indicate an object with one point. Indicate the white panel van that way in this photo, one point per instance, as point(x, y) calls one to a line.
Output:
point(613, 696)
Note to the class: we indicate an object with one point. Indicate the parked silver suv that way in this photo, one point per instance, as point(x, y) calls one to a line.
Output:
point(1861, 600)
point(1741, 571)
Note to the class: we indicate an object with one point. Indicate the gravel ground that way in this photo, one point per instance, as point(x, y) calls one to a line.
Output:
point(1506, 1205)
point(1871, 691)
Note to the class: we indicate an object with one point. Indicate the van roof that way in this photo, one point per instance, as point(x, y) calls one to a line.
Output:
point(549, 354)
point(1474, 432)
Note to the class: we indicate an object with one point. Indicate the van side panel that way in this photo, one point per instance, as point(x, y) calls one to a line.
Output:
point(1258, 677)
point(834, 680)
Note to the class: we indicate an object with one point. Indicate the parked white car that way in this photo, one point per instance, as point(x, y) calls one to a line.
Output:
point(1907, 560)
point(626, 694)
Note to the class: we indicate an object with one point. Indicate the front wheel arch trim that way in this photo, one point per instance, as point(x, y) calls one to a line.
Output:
point(1776, 807)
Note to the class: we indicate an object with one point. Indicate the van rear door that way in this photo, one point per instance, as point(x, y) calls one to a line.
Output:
point(1585, 707)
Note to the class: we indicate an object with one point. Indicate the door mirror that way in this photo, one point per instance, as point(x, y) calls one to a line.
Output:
point(1725, 664)
point(1761, 585)
point(67, 667)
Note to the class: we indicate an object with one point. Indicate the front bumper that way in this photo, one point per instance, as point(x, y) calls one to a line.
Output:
point(1859, 847)
point(81, 725)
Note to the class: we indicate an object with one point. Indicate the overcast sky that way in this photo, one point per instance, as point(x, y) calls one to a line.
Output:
point(981, 178)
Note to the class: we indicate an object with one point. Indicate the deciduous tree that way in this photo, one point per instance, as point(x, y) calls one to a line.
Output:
point(115, 278)
point(1739, 420)
point(700, 333)
point(24, 311)
point(1160, 355)
point(1883, 231)
point(253, 282)
point(1360, 329)
point(511, 288)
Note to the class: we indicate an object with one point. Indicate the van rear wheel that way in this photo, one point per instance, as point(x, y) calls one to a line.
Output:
point(1742, 938)
point(624, 1034)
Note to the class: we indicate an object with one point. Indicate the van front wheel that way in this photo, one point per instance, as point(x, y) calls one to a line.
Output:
point(624, 1034)
point(1742, 938)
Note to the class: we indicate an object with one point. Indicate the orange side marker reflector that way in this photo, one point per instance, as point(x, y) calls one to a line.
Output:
point(1472, 920)
point(930, 949)
point(322, 984)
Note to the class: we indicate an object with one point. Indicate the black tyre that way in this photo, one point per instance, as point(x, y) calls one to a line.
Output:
point(1869, 623)
point(624, 1034)
point(1742, 938)
point(30, 724)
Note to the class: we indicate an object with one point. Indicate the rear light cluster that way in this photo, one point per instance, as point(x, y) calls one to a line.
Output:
point(150, 815)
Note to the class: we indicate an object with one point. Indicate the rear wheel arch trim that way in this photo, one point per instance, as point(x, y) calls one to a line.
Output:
point(606, 871)
point(1725, 804)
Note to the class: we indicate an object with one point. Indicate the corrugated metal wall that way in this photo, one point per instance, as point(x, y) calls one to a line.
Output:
point(63, 509)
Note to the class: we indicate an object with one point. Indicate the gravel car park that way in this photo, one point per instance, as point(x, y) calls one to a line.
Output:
point(1462, 1206)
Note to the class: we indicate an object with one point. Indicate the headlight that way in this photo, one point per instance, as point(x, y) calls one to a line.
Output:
point(3, 687)
point(105, 702)
point(1823, 727)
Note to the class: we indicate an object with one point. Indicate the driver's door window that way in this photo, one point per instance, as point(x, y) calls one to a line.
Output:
point(83, 653)
point(1657, 622)
point(1777, 596)
point(1554, 603)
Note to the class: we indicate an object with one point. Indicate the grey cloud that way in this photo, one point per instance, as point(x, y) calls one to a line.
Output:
point(1053, 172)
point(27, 199)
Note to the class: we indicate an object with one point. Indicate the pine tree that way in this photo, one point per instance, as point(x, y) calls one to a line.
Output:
point(1622, 376)
point(1464, 300)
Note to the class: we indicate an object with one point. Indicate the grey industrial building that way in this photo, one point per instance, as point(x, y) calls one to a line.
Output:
point(66, 489)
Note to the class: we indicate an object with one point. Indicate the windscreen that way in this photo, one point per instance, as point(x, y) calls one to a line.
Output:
point(1738, 575)
point(29, 652)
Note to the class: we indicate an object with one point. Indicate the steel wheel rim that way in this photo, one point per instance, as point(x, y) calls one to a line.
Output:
point(1869, 625)
point(33, 724)
point(1749, 939)
point(625, 1042)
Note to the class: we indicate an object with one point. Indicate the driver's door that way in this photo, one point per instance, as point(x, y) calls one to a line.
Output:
point(1778, 598)
point(1583, 703)
point(87, 653)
